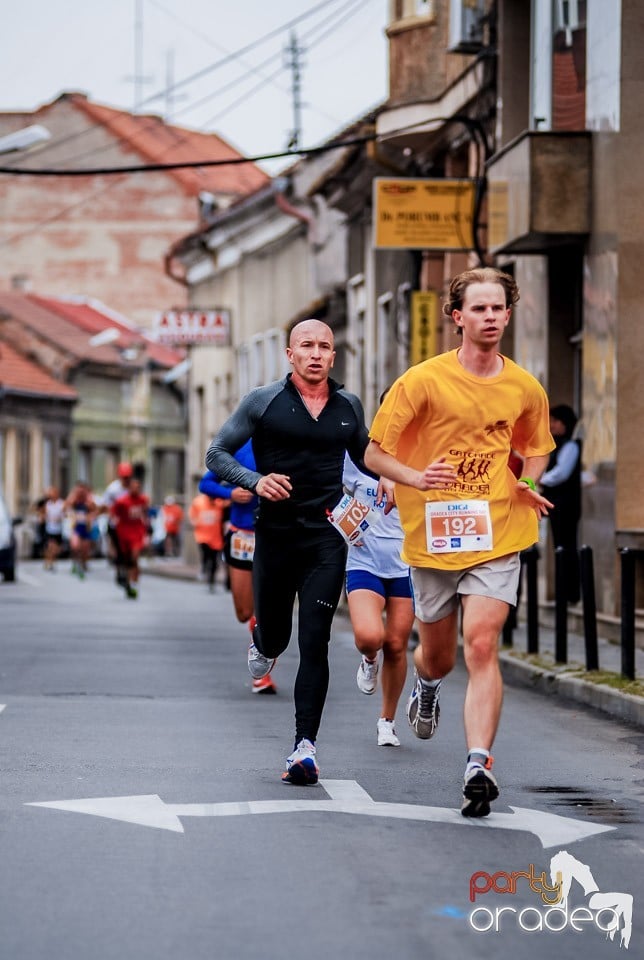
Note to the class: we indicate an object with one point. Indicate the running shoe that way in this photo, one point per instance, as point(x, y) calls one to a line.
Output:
point(131, 592)
point(367, 676)
point(386, 734)
point(301, 767)
point(264, 685)
point(258, 665)
point(479, 789)
point(423, 709)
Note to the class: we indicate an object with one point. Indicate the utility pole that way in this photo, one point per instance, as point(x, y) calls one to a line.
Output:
point(293, 53)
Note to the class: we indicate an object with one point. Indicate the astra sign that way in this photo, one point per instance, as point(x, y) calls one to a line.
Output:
point(175, 327)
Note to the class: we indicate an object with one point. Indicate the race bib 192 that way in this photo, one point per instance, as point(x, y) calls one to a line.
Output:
point(456, 526)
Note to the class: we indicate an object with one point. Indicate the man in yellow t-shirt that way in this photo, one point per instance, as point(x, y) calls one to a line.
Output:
point(444, 434)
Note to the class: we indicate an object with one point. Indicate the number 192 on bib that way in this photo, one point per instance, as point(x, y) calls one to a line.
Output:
point(458, 526)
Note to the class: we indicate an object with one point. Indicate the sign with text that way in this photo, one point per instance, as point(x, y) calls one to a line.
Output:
point(423, 325)
point(193, 326)
point(423, 214)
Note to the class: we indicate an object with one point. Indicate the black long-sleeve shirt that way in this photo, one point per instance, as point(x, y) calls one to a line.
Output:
point(288, 440)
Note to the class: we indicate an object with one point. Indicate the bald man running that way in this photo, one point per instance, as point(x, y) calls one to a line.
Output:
point(300, 427)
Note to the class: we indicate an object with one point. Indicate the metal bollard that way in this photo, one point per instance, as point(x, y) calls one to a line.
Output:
point(510, 624)
point(561, 606)
point(508, 627)
point(628, 613)
point(587, 577)
point(531, 558)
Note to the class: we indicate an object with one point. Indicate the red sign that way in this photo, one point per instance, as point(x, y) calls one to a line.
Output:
point(175, 327)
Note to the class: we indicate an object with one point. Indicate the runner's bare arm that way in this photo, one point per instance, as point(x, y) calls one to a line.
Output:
point(386, 488)
point(435, 476)
point(533, 467)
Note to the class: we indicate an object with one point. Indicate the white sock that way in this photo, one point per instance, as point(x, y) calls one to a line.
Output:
point(477, 757)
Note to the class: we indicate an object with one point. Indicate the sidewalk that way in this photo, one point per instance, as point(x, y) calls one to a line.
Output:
point(603, 690)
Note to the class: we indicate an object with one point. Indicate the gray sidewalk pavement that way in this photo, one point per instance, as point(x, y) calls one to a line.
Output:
point(603, 690)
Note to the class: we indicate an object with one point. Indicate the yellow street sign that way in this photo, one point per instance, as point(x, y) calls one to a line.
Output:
point(423, 214)
point(424, 325)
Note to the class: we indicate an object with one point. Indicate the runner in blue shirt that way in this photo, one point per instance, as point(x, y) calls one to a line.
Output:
point(239, 546)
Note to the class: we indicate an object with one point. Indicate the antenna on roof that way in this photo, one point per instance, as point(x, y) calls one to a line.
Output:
point(139, 78)
point(170, 96)
point(294, 51)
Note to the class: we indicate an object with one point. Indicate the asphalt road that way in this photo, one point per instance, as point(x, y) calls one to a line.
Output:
point(109, 698)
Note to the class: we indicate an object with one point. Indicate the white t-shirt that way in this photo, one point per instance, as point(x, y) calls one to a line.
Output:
point(380, 550)
point(54, 510)
point(112, 492)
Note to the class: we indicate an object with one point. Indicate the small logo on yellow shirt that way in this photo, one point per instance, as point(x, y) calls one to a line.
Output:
point(497, 425)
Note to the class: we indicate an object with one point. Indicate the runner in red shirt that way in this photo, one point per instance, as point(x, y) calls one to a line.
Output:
point(131, 515)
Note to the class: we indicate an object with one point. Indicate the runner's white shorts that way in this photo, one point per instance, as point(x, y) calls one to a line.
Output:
point(436, 592)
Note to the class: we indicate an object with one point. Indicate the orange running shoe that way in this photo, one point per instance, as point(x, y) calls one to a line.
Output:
point(264, 685)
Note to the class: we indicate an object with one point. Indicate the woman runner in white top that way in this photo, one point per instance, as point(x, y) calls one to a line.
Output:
point(378, 583)
point(54, 514)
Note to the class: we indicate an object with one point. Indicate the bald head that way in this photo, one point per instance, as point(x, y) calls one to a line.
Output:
point(310, 352)
point(306, 329)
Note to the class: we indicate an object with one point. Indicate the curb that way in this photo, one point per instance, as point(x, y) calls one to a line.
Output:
point(621, 706)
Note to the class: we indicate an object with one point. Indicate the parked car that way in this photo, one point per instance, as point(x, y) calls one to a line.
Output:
point(7, 542)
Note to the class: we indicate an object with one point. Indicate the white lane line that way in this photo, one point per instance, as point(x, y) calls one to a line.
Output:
point(2, 706)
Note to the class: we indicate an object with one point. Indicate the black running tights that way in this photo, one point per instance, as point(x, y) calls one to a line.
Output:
point(307, 564)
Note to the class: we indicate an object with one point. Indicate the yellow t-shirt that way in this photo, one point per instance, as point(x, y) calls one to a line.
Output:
point(437, 409)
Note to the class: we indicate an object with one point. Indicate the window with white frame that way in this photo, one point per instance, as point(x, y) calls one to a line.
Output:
point(47, 462)
point(262, 360)
point(387, 352)
point(84, 464)
point(274, 356)
point(257, 361)
point(356, 311)
point(243, 368)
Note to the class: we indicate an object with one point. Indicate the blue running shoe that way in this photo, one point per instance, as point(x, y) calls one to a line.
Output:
point(301, 767)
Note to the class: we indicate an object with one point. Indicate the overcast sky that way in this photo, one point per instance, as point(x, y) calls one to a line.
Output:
point(51, 46)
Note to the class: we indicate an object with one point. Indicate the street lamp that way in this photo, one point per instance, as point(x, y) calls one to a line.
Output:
point(25, 138)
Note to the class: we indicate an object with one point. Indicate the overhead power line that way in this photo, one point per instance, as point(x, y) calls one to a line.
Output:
point(473, 125)
point(185, 164)
point(215, 65)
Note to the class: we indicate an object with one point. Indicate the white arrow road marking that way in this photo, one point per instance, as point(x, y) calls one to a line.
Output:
point(345, 796)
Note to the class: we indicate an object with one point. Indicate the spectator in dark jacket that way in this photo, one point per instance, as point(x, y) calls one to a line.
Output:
point(561, 484)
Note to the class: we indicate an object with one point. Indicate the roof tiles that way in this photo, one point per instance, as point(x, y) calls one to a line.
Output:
point(70, 326)
point(161, 142)
point(20, 375)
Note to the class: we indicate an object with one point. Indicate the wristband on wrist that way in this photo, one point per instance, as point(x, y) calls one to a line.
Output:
point(530, 482)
